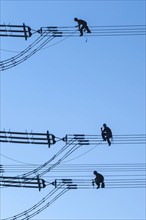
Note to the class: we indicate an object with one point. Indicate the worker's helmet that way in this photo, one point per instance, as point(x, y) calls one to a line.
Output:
point(104, 125)
point(95, 172)
point(75, 19)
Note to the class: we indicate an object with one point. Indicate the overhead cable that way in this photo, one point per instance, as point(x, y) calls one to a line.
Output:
point(80, 139)
point(49, 33)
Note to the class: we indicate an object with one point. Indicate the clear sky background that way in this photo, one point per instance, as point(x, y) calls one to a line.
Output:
point(70, 87)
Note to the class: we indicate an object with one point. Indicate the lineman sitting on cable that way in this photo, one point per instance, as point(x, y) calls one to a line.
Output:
point(99, 180)
point(106, 134)
point(82, 25)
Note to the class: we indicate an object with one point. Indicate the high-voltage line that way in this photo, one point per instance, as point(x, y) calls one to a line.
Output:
point(37, 45)
point(72, 144)
point(126, 170)
point(25, 54)
point(1, 169)
point(80, 139)
point(98, 30)
point(9, 181)
point(15, 31)
point(67, 150)
point(45, 202)
point(84, 139)
point(79, 168)
point(49, 33)
point(64, 185)
point(109, 183)
point(126, 173)
point(110, 30)
point(27, 138)
point(116, 181)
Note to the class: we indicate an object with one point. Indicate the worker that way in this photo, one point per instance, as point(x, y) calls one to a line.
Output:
point(82, 25)
point(106, 134)
point(99, 179)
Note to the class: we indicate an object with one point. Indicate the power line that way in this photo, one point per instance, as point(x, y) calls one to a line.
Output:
point(27, 138)
point(49, 33)
point(50, 198)
point(64, 185)
point(115, 174)
point(26, 31)
point(80, 139)
point(111, 30)
point(12, 159)
point(80, 168)
point(15, 31)
point(37, 45)
point(71, 146)
point(73, 141)
point(57, 159)
point(10, 181)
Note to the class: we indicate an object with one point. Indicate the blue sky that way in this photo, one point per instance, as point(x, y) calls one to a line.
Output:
point(70, 87)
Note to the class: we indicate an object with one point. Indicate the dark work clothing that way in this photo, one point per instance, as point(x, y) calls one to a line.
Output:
point(99, 179)
point(83, 26)
point(106, 134)
point(107, 131)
